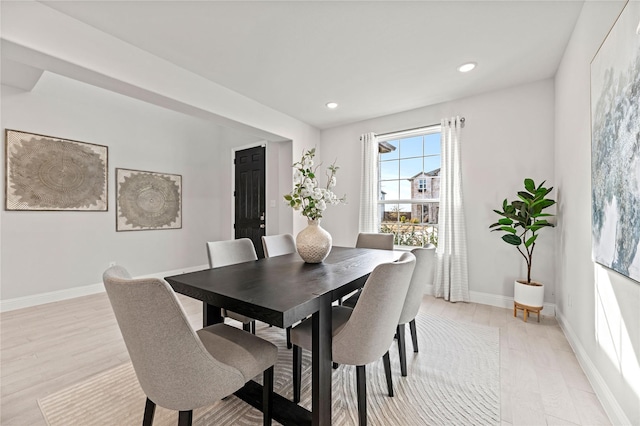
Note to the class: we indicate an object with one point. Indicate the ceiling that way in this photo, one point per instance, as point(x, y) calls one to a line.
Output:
point(373, 58)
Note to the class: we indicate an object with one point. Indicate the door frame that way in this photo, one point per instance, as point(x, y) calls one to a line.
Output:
point(265, 145)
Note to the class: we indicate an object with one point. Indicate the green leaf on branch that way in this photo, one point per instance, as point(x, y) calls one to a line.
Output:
point(524, 196)
point(512, 239)
point(508, 229)
point(530, 241)
point(541, 223)
point(505, 221)
point(544, 203)
point(529, 185)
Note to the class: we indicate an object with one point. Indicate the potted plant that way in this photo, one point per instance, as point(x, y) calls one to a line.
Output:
point(521, 221)
point(313, 243)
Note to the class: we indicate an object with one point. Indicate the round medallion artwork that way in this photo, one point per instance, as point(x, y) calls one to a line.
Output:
point(52, 174)
point(148, 200)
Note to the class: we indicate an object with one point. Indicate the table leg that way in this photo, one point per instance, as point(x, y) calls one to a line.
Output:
point(321, 360)
point(210, 315)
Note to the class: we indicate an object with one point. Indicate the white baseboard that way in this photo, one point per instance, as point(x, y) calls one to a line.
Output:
point(55, 296)
point(607, 399)
point(497, 300)
point(70, 293)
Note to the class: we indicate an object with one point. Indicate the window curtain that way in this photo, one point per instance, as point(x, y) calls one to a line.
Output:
point(369, 184)
point(452, 277)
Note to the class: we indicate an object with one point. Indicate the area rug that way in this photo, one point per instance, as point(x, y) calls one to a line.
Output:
point(453, 380)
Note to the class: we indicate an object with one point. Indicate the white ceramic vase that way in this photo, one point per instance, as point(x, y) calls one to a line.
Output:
point(313, 242)
point(531, 295)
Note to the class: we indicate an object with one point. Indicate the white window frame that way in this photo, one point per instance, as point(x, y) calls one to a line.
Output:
point(427, 130)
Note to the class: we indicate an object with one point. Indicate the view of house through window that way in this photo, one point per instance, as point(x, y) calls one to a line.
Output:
point(409, 186)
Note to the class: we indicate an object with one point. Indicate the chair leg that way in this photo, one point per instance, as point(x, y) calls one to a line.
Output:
point(361, 384)
point(297, 367)
point(289, 338)
point(387, 372)
point(149, 411)
point(185, 418)
point(246, 327)
point(267, 396)
point(414, 335)
point(253, 327)
point(402, 351)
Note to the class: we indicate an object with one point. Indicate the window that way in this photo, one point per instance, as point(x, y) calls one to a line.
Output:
point(409, 185)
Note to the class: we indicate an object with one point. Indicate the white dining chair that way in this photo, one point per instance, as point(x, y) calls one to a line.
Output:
point(369, 240)
point(231, 252)
point(363, 334)
point(423, 275)
point(279, 245)
point(179, 368)
point(374, 241)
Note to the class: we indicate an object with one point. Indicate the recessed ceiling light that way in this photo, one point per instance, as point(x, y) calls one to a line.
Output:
point(467, 67)
point(332, 105)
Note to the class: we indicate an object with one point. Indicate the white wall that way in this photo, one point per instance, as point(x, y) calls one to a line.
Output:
point(53, 251)
point(38, 37)
point(279, 182)
point(508, 136)
point(597, 308)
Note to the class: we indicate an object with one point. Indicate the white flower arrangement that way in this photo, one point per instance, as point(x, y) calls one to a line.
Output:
point(307, 197)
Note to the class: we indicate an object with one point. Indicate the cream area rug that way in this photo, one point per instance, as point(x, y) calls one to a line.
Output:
point(453, 380)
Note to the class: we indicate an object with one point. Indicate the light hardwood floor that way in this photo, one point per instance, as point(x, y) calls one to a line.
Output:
point(49, 347)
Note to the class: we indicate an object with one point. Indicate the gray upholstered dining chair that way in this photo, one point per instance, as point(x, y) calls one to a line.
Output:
point(279, 245)
point(423, 274)
point(179, 368)
point(375, 241)
point(363, 334)
point(230, 252)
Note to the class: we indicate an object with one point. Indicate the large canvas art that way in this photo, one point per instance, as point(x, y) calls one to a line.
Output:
point(49, 173)
point(148, 200)
point(615, 149)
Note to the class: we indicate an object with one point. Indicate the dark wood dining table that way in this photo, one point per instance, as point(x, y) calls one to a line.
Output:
point(281, 291)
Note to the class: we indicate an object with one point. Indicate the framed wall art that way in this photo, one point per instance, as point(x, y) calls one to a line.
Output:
point(46, 173)
point(615, 146)
point(148, 200)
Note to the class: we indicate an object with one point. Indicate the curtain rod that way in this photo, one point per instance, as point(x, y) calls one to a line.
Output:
point(418, 128)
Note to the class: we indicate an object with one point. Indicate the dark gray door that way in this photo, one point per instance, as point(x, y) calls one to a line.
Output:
point(249, 196)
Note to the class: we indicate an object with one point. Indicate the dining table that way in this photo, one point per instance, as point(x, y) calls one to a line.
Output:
point(281, 291)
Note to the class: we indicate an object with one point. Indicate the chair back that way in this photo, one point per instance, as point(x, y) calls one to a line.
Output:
point(375, 241)
point(172, 365)
point(230, 252)
point(277, 245)
point(368, 333)
point(423, 274)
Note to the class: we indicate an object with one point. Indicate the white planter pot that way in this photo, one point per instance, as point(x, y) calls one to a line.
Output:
point(531, 295)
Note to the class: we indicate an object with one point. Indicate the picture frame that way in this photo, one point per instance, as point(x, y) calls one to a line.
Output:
point(148, 200)
point(47, 173)
point(615, 152)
